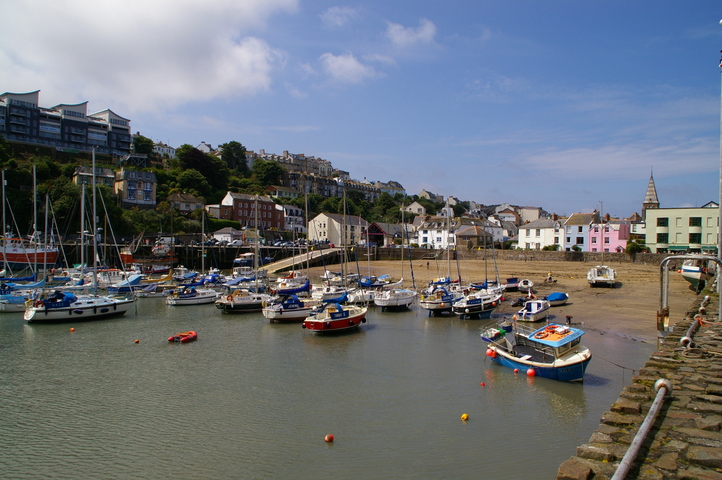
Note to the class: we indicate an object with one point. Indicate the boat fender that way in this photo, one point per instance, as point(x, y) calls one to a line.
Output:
point(229, 298)
point(350, 323)
point(303, 325)
point(363, 320)
point(39, 303)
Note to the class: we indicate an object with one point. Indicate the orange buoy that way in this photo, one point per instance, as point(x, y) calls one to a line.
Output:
point(329, 438)
point(530, 372)
point(72, 329)
point(516, 370)
point(465, 416)
point(483, 384)
point(137, 341)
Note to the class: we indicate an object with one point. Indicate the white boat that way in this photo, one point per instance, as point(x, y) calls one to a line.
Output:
point(478, 304)
point(557, 299)
point(242, 300)
point(364, 296)
point(533, 310)
point(191, 296)
point(525, 285)
point(439, 299)
point(697, 273)
point(335, 318)
point(602, 275)
point(58, 306)
point(395, 298)
point(327, 293)
point(289, 309)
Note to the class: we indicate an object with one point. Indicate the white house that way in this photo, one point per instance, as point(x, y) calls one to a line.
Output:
point(329, 227)
point(576, 230)
point(415, 207)
point(294, 221)
point(540, 233)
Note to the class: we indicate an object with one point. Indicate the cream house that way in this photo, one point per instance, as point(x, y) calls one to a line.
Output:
point(682, 229)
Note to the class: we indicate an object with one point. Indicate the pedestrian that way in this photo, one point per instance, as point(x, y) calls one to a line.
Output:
point(569, 319)
point(427, 265)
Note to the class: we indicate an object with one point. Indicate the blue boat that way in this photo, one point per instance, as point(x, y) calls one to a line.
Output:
point(557, 299)
point(552, 351)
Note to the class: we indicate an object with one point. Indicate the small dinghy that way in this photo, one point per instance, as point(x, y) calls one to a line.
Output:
point(184, 337)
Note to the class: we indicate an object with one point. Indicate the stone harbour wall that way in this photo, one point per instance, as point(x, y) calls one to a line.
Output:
point(685, 441)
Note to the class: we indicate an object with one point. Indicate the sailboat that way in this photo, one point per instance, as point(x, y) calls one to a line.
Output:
point(242, 300)
point(441, 295)
point(58, 306)
point(397, 298)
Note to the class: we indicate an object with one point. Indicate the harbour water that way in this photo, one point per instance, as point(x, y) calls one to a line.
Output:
point(251, 399)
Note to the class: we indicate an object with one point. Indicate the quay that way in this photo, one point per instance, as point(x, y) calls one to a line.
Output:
point(685, 441)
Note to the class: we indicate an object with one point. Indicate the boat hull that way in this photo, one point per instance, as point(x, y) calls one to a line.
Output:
point(570, 372)
point(331, 325)
point(90, 309)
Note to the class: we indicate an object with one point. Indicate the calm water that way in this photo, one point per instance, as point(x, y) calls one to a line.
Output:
point(252, 399)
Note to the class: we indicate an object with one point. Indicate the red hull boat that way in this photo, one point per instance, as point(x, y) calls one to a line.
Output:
point(184, 337)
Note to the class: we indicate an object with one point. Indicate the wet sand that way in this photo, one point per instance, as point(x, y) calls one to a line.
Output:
point(628, 310)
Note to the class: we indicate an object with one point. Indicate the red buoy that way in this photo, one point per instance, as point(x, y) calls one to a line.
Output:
point(483, 384)
point(530, 372)
point(516, 370)
point(329, 438)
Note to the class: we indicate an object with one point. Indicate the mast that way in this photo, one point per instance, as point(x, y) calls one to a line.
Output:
point(258, 239)
point(5, 256)
point(82, 225)
point(95, 233)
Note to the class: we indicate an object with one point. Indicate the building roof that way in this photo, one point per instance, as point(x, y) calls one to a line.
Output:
point(184, 198)
point(540, 223)
point(582, 219)
point(350, 219)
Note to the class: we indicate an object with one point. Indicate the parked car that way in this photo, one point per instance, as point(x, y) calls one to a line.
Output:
point(235, 243)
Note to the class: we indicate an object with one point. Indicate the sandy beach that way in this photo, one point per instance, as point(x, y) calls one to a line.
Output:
point(629, 310)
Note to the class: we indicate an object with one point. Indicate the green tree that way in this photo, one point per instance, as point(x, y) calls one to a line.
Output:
point(234, 154)
point(192, 181)
point(142, 145)
point(267, 173)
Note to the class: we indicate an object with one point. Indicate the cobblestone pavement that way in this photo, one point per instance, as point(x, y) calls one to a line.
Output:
point(685, 441)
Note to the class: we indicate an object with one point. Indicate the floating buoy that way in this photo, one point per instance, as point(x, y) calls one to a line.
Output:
point(491, 353)
point(137, 341)
point(465, 416)
point(483, 384)
point(72, 329)
point(516, 370)
point(329, 438)
point(530, 372)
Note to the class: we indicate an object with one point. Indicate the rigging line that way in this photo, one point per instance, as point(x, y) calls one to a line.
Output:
point(616, 364)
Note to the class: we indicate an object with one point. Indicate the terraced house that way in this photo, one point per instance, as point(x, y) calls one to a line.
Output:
point(692, 230)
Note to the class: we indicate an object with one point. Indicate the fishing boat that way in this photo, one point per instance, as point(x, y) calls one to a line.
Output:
point(512, 284)
point(242, 300)
point(191, 296)
point(602, 275)
point(335, 318)
point(557, 299)
point(289, 308)
point(61, 306)
point(533, 310)
point(552, 351)
point(395, 298)
point(184, 337)
point(438, 299)
point(478, 304)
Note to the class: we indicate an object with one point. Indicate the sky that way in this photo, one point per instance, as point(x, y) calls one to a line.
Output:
point(564, 105)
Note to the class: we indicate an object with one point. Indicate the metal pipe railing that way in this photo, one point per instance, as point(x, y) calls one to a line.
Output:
point(663, 388)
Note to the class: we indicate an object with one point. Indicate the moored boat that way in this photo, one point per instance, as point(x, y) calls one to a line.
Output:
point(477, 304)
point(60, 306)
point(242, 300)
point(191, 296)
point(526, 285)
point(602, 275)
point(557, 299)
point(395, 298)
point(552, 351)
point(289, 308)
point(335, 318)
point(533, 310)
point(697, 273)
point(439, 300)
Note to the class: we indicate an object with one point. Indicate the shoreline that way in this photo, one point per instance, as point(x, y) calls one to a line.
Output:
point(629, 310)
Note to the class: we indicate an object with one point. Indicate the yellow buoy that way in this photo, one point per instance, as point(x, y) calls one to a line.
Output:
point(465, 416)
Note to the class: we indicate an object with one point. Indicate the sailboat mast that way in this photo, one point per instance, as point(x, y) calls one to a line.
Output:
point(82, 225)
point(95, 228)
point(5, 256)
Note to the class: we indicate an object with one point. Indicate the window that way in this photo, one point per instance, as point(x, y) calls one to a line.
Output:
point(606, 240)
point(556, 240)
point(695, 237)
point(580, 240)
point(580, 229)
point(594, 239)
point(528, 232)
point(662, 222)
point(662, 237)
point(695, 222)
point(569, 240)
point(538, 232)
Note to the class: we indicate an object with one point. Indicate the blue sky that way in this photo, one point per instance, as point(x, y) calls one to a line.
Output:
point(565, 105)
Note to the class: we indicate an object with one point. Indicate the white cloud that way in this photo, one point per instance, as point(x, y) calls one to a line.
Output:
point(346, 68)
point(338, 16)
point(409, 37)
point(139, 55)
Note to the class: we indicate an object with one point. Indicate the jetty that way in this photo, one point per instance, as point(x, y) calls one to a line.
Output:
point(312, 257)
point(681, 386)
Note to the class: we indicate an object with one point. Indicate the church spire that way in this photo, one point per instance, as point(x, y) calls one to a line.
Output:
point(650, 198)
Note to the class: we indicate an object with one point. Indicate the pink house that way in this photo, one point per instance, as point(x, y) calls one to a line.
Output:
point(609, 237)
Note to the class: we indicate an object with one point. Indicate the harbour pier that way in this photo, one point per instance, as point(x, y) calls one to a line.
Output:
point(684, 441)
